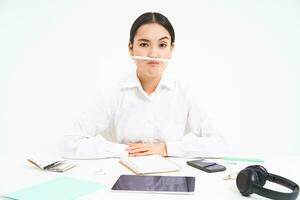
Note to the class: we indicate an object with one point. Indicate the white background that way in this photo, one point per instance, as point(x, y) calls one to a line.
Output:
point(241, 58)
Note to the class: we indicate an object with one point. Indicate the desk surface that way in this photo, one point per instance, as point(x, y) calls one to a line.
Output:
point(16, 173)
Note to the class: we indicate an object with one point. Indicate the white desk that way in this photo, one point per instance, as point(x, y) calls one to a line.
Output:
point(16, 173)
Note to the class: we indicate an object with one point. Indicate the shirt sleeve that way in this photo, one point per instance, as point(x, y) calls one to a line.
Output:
point(201, 138)
point(85, 139)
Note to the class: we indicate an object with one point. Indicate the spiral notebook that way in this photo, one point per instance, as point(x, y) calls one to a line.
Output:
point(149, 164)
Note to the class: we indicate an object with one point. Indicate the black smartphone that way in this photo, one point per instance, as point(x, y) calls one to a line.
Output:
point(206, 166)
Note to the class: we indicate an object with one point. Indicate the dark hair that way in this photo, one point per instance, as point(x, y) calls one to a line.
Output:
point(152, 17)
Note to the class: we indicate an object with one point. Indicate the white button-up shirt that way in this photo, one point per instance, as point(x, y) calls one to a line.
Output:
point(169, 115)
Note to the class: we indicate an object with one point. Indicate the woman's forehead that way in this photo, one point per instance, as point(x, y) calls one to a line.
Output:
point(152, 32)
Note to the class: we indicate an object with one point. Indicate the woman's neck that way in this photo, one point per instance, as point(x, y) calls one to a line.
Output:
point(149, 84)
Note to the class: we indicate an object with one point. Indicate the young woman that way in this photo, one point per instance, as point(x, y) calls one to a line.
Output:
point(149, 112)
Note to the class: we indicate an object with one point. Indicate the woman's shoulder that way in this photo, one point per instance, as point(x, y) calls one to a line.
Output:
point(188, 91)
point(116, 90)
point(182, 88)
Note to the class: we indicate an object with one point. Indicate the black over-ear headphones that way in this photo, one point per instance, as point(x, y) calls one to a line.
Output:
point(253, 178)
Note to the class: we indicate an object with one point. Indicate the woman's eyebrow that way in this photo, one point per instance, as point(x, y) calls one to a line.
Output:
point(166, 37)
point(143, 40)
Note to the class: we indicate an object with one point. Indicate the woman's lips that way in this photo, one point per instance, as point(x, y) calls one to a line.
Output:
point(152, 62)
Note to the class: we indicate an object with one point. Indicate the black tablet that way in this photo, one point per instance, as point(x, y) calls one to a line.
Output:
point(161, 184)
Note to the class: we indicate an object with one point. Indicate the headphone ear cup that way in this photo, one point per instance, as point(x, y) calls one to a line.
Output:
point(245, 181)
point(261, 172)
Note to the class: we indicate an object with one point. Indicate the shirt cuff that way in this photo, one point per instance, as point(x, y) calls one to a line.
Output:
point(174, 149)
point(119, 150)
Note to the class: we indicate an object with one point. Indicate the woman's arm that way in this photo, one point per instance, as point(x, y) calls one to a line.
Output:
point(85, 139)
point(202, 138)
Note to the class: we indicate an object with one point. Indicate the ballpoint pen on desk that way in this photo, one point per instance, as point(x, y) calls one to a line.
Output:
point(148, 58)
point(54, 164)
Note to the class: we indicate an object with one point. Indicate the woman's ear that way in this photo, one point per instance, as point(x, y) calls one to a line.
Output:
point(130, 48)
point(172, 47)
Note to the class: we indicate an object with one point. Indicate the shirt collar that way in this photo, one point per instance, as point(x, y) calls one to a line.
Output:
point(167, 81)
point(133, 81)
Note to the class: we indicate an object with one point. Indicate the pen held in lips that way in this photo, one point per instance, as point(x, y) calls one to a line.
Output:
point(150, 59)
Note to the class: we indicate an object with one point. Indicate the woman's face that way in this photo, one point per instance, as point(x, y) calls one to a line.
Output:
point(154, 41)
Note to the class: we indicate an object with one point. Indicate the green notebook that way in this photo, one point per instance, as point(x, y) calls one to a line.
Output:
point(62, 188)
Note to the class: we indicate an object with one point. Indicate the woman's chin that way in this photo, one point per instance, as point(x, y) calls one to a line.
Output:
point(154, 73)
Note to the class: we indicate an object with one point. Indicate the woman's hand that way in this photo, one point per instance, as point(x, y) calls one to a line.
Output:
point(143, 149)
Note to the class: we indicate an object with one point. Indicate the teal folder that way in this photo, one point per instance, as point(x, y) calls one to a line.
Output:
point(62, 188)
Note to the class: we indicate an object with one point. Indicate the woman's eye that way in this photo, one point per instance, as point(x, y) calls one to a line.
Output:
point(162, 45)
point(143, 44)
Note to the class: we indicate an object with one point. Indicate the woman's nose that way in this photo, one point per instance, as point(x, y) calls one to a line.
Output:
point(153, 53)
